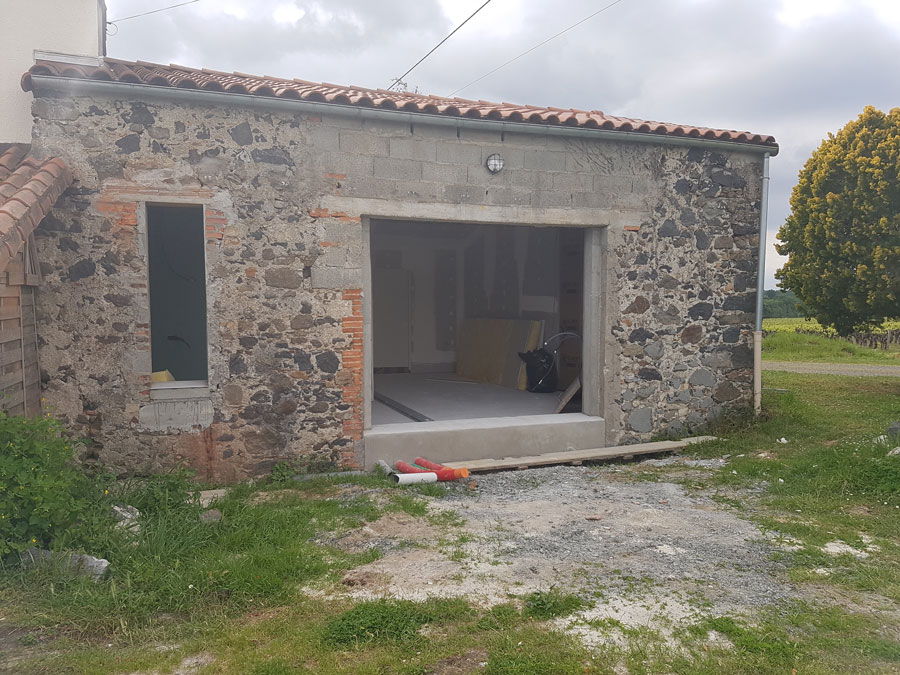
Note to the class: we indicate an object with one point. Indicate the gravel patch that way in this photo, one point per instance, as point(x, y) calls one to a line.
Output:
point(642, 553)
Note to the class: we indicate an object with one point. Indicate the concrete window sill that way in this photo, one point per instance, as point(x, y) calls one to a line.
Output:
point(171, 391)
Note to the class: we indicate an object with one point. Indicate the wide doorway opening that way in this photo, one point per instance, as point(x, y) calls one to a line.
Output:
point(473, 321)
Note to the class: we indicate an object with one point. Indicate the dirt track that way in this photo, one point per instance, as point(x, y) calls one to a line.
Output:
point(852, 369)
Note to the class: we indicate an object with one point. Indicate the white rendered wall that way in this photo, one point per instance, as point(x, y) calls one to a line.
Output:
point(64, 26)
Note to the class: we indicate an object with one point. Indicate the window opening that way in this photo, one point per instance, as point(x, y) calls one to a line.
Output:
point(175, 241)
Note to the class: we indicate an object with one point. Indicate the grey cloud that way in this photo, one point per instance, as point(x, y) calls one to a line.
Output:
point(704, 62)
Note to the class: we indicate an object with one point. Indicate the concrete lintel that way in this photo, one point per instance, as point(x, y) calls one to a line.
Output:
point(336, 278)
point(473, 213)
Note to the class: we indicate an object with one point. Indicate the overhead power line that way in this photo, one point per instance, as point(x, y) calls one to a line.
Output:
point(434, 49)
point(153, 11)
point(538, 46)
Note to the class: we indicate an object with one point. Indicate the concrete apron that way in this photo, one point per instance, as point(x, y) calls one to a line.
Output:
point(485, 438)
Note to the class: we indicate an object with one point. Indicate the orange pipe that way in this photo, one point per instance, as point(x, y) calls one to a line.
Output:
point(438, 468)
point(442, 474)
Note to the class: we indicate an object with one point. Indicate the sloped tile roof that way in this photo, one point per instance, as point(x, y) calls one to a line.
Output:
point(28, 190)
point(139, 72)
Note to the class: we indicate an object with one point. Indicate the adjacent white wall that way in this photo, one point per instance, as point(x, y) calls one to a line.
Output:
point(64, 26)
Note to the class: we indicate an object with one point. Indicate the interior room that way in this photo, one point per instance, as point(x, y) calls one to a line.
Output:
point(458, 309)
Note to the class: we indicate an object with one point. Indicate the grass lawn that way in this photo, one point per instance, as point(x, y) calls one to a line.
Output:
point(784, 346)
point(259, 592)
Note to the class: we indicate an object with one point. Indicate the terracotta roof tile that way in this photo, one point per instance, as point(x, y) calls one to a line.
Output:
point(182, 77)
point(28, 190)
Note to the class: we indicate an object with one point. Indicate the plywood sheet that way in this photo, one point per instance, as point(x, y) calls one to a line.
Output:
point(488, 350)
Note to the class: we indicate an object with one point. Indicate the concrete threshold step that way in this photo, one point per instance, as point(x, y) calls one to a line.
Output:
point(477, 439)
point(577, 456)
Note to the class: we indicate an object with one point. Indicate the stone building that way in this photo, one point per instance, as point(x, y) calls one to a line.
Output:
point(248, 270)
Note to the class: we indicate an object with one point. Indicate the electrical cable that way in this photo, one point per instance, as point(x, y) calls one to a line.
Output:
point(565, 335)
point(538, 46)
point(434, 49)
point(153, 11)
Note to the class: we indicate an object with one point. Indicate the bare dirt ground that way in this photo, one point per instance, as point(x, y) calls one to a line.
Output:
point(644, 554)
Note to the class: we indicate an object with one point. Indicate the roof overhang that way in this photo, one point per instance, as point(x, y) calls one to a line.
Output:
point(72, 86)
point(28, 190)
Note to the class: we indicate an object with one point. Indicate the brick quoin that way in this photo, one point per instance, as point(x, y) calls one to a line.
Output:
point(353, 361)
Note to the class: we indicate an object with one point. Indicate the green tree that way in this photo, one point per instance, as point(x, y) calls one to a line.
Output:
point(842, 238)
point(780, 305)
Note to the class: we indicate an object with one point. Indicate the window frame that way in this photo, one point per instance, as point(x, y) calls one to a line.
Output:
point(178, 389)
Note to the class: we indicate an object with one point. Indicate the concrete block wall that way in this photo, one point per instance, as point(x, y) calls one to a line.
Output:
point(286, 196)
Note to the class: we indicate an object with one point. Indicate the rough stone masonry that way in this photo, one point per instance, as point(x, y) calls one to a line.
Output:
point(285, 261)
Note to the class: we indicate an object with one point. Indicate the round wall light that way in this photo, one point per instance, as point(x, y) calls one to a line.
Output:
point(494, 163)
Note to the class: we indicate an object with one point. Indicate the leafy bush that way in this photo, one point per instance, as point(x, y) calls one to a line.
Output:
point(283, 473)
point(43, 494)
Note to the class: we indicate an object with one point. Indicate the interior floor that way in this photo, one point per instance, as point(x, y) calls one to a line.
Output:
point(444, 396)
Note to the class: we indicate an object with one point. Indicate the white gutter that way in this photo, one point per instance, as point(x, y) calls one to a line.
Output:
point(760, 285)
point(83, 87)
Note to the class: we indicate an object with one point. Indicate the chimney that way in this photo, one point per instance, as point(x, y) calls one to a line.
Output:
point(76, 27)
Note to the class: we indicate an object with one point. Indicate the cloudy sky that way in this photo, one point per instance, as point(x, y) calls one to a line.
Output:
point(793, 68)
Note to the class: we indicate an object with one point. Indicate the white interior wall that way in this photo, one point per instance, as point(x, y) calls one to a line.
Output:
point(64, 26)
point(417, 255)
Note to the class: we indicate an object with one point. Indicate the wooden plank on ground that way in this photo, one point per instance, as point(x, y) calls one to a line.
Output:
point(570, 456)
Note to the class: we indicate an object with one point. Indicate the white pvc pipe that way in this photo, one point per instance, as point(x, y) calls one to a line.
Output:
point(411, 478)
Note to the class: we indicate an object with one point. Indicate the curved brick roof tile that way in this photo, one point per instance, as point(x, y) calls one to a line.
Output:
point(176, 76)
point(28, 190)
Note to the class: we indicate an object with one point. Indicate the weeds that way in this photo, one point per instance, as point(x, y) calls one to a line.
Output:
point(389, 621)
point(550, 604)
point(257, 555)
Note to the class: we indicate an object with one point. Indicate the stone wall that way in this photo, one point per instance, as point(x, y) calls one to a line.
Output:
point(285, 198)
